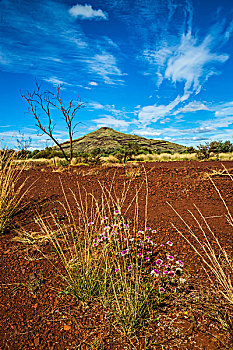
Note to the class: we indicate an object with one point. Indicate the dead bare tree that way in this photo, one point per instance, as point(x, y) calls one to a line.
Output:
point(46, 101)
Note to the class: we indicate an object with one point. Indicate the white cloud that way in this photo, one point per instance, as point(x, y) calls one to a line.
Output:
point(93, 83)
point(55, 81)
point(192, 107)
point(223, 117)
point(224, 110)
point(190, 62)
point(151, 114)
point(164, 121)
point(87, 12)
point(146, 132)
point(110, 109)
point(105, 65)
point(158, 59)
point(95, 105)
point(109, 121)
point(220, 122)
point(201, 130)
point(229, 31)
point(53, 59)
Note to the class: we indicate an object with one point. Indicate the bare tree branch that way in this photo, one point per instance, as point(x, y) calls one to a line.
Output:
point(44, 102)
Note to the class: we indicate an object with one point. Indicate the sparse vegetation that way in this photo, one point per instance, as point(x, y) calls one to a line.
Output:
point(112, 141)
point(110, 261)
point(107, 259)
point(12, 191)
point(216, 301)
point(214, 148)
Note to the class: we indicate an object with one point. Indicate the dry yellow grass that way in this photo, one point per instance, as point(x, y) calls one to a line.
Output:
point(112, 160)
point(11, 190)
point(165, 157)
point(223, 156)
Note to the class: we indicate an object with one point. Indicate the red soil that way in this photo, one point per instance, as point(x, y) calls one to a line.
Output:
point(48, 319)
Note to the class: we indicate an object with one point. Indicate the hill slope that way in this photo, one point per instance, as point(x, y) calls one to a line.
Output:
point(108, 139)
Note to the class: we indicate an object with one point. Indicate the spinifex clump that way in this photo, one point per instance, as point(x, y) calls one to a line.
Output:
point(11, 191)
point(107, 259)
point(142, 272)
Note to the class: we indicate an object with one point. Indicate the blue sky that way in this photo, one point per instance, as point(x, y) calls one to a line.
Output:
point(162, 69)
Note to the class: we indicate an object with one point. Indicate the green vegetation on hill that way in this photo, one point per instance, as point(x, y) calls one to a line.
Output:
point(111, 140)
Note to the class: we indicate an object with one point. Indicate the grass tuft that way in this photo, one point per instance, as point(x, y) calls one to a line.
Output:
point(106, 258)
point(12, 191)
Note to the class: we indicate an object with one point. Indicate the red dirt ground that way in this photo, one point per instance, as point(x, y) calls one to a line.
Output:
point(47, 319)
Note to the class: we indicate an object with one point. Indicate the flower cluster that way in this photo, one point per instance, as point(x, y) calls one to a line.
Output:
point(138, 251)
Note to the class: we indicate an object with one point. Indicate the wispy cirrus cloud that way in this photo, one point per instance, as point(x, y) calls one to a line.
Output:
point(87, 12)
point(105, 66)
point(110, 121)
point(151, 114)
point(146, 132)
point(95, 105)
point(193, 63)
point(187, 58)
point(66, 51)
point(55, 81)
point(109, 108)
point(193, 106)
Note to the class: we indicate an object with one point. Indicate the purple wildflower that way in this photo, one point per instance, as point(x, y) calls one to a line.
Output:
point(170, 243)
point(158, 262)
point(155, 272)
point(124, 252)
point(171, 273)
point(161, 290)
point(180, 262)
point(170, 257)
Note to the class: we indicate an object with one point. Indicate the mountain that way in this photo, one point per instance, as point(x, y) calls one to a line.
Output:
point(109, 140)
